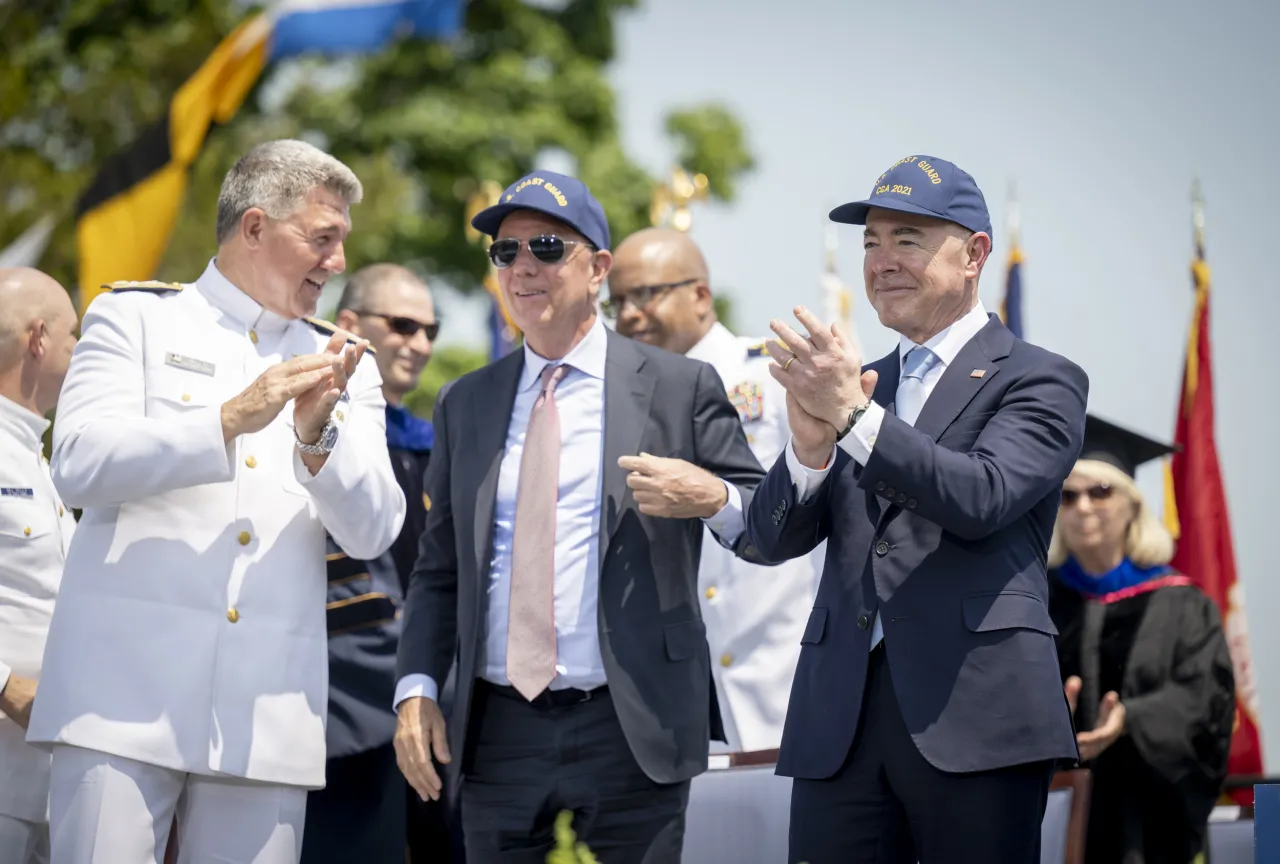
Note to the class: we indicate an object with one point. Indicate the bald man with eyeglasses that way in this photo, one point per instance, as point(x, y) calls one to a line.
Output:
point(660, 294)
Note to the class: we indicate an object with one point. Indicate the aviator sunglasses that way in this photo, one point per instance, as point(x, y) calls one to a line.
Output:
point(1101, 492)
point(547, 248)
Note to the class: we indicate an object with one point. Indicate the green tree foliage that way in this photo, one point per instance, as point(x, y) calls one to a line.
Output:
point(447, 364)
point(422, 123)
point(79, 79)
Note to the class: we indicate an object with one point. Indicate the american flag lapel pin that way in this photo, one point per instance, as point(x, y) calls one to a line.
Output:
point(977, 373)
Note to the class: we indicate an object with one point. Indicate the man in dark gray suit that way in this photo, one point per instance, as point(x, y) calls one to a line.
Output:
point(559, 561)
point(927, 712)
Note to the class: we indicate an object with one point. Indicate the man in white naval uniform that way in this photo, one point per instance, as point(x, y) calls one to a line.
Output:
point(37, 335)
point(212, 435)
point(659, 293)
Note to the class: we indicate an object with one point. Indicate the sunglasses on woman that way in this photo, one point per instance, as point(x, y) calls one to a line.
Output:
point(1101, 492)
point(547, 248)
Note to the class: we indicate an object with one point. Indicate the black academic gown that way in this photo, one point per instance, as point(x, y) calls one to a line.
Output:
point(1163, 651)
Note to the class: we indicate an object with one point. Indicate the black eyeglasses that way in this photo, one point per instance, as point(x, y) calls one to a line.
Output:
point(640, 296)
point(547, 248)
point(404, 326)
point(1101, 492)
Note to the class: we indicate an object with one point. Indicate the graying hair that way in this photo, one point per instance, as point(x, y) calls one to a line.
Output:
point(276, 177)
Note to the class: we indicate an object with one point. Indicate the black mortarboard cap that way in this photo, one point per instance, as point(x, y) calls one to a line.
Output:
point(1122, 448)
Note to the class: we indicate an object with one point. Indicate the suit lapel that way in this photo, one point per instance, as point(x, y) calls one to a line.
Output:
point(886, 392)
point(493, 400)
point(958, 384)
point(954, 390)
point(628, 390)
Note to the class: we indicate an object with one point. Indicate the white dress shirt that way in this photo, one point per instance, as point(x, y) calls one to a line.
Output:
point(580, 404)
point(862, 438)
point(35, 531)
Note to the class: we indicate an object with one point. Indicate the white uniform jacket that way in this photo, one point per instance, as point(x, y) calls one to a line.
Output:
point(35, 529)
point(755, 615)
point(190, 631)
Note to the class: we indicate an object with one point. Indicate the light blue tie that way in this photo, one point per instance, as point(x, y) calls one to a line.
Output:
point(911, 389)
point(907, 405)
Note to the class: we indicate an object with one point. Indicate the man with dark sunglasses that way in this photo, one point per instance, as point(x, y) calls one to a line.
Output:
point(363, 813)
point(660, 294)
point(559, 564)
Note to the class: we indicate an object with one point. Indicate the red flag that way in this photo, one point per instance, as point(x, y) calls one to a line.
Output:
point(1205, 552)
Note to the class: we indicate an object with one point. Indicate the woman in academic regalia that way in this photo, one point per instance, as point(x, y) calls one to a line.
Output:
point(1144, 662)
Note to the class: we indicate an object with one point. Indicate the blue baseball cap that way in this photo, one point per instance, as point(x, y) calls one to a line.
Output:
point(927, 186)
point(566, 199)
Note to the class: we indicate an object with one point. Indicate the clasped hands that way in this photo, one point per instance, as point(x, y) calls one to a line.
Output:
point(315, 383)
point(822, 374)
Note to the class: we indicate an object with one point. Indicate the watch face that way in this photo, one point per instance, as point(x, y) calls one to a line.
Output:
point(329, 436)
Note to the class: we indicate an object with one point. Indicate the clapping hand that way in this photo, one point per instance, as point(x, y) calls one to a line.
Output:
point(1110, 724)
point(822, 371)
point(312, 407)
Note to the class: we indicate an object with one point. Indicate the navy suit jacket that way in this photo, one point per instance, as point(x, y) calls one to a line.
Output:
point(652, 637)
point(944, 532)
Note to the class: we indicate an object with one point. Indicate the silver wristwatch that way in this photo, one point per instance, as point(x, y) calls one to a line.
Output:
point(328, 438)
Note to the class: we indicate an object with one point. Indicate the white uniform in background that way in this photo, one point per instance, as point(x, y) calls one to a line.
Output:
point(188, 652)
point(755, 615)
point(35, 530)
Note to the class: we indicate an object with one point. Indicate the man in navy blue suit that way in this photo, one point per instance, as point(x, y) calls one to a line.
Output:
point(927, 713)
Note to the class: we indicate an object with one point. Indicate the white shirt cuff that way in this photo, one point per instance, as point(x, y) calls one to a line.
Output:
point(806, 480)
point(5, 672)
point(413, 685)
point(729, 523)
point(862, 438)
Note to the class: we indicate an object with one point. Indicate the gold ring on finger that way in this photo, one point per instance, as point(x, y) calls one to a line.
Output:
point(790, 360)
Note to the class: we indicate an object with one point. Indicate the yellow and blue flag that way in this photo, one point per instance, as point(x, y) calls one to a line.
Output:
point(125, 217)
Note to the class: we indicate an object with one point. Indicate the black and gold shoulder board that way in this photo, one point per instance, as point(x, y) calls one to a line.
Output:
point(145, 285)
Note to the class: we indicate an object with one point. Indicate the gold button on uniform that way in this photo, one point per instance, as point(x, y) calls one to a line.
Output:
point(711, 592)
point(233, 615)
point(726, 659)
point(244, 538)
point(340, 417)
point(251, 462)
point(60, 511)
point(253, 336)
point(186, 397)
point(26, 531)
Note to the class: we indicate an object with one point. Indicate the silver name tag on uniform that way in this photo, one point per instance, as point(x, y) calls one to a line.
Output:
point(189, 363)
point(15, 492)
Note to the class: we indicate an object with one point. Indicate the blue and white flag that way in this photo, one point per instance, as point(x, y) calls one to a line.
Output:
point(357, 26)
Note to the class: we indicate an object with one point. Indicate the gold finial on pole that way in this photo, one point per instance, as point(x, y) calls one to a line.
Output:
point(485, 196)
point(669, 205)
point(488, 194)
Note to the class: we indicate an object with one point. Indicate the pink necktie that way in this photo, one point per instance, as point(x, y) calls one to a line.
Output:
point(531, 625)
